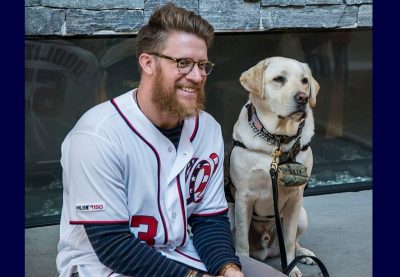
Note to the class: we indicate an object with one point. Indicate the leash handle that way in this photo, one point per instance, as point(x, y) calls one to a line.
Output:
point(289, 268)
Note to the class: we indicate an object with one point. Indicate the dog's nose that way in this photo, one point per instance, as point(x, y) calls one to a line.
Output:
point(301, 98)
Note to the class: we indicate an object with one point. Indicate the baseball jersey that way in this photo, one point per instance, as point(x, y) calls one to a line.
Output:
point(119, 168)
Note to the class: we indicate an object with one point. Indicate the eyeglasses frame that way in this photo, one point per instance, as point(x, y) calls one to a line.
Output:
point(177, 60)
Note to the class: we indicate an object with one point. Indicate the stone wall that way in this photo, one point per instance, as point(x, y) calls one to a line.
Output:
point(77, 17)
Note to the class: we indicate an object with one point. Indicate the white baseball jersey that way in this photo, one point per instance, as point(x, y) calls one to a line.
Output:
point(119, 168)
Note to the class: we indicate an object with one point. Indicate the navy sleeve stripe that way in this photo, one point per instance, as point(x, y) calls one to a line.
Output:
point(117, 248)
point(210, 239)
point(108, 259)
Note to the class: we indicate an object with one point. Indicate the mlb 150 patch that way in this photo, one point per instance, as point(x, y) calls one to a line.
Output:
point(90, 207)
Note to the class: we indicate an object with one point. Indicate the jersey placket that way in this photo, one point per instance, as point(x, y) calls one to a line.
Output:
point(174, 198)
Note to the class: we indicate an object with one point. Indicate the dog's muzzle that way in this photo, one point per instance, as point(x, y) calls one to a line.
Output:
point(301, 98)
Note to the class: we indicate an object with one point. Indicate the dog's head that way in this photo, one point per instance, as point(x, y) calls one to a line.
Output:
point(283, 86)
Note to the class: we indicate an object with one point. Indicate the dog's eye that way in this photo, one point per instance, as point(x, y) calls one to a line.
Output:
point(304, 81)
point(279, 79)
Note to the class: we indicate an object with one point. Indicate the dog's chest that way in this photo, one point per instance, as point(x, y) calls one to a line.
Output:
point(250, 170)
point(250, 174)
point(264, 204)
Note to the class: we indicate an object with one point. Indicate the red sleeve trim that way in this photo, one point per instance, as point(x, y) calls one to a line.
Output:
point(210, 214)
point(75, 222)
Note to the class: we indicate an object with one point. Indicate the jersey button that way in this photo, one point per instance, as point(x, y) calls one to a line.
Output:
point(170, 149)
point(173, 215)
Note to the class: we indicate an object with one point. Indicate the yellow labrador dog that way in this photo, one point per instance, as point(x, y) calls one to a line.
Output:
point(282, 92)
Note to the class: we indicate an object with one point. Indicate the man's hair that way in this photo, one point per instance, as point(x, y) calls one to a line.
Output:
point(167, 19)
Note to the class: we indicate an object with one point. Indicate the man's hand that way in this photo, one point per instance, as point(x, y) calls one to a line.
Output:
point(233, 273)
point(228, 273)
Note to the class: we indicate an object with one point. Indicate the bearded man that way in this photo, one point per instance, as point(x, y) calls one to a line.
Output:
point(143, 173)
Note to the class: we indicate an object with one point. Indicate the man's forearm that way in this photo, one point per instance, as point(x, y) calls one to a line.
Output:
point(118, 249)
point(213, 241)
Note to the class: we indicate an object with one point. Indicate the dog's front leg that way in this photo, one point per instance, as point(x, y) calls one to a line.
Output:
point(290, 216)
point(243, 213)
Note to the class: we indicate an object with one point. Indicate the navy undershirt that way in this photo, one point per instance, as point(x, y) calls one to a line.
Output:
point(173, 134)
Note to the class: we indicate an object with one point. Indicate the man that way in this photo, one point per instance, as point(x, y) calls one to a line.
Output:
point(143, 173)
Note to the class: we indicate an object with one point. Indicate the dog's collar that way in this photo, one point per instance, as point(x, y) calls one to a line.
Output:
point(260, 130)
point(286, 156)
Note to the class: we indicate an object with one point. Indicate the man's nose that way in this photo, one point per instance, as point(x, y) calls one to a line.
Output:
point(196, 74)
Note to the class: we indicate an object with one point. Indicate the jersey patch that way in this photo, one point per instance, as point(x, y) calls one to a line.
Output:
point(93, 207)
point(200, 173)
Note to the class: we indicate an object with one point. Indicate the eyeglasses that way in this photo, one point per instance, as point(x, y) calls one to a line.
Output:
point(185, 65)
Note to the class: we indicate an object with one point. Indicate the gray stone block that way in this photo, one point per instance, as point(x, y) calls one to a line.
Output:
point(231, 14)
point(30, 3)
point(349, 18)
point(353, 2)
point(89, 22)
point(365, 16)
point(46, 17)
point(95, 4)
point(324, 2)
point(307, 17)
point(151, 5)
point(283, 3)
point(43, 21)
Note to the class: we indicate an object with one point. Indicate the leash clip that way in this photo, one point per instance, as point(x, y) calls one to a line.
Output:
point(275, 154)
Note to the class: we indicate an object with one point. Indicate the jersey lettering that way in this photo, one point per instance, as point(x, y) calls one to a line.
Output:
point(151, 224)
point(189, 167)
point(200, 176)
point(214, 157)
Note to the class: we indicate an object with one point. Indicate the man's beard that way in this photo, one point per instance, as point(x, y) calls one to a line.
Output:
point(165, 98)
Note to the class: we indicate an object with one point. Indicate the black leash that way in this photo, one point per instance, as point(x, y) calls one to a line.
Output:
point(285, 267)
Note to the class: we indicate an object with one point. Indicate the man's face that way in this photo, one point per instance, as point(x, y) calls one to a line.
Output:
point(180, 94)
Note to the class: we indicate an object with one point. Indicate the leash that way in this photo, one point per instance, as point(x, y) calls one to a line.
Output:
point(285, 267)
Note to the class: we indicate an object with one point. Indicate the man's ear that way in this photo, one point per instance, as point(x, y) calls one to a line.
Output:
point(253, 79)
point(147, 63)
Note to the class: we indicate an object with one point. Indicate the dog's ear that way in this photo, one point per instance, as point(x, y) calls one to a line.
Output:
point(314, 88)
point(253, 79)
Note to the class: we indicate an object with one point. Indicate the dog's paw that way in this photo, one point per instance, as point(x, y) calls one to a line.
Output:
point(304, 251)
point(295, 272)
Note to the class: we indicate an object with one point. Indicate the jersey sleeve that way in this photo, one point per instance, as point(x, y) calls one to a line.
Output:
point(93, 177)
